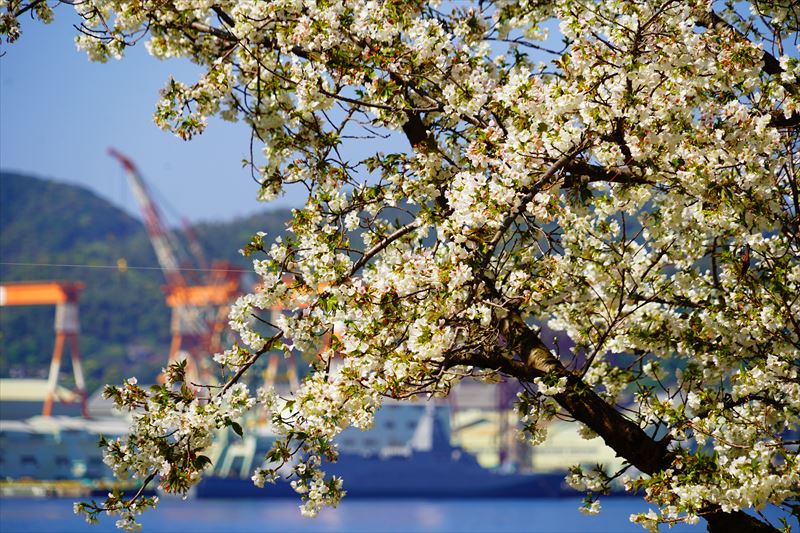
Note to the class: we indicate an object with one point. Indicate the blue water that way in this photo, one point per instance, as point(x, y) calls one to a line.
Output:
point(356, 516)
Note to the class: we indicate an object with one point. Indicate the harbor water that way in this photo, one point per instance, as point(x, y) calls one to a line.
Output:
point(19, 515)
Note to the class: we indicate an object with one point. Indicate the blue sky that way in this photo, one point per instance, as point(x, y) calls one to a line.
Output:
point(59, 113)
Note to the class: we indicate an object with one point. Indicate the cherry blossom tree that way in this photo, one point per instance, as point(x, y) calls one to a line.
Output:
point(624, 172)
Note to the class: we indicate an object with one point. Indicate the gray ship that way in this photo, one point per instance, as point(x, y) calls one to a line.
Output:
point(425, 466)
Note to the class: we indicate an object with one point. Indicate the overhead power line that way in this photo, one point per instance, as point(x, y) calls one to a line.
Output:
point(117, 267)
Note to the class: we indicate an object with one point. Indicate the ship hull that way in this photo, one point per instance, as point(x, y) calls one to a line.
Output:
point(423, 476)
point(539, 486)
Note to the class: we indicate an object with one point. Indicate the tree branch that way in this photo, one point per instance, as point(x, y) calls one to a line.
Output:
point(781, 121)
point(577, 169)
point(216, 32)
point(710, 19)
point(369, 254)
point(416, 132)
point(622, 435)
point(560, 163)
point(772, 66)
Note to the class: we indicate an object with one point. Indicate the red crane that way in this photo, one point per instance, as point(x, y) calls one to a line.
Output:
point(198, 310)
point(193, 336)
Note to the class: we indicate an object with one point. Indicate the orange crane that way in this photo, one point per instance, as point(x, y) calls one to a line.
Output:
point(199, 310)
point(64, 295)
point(186, 301)
point(195, 334)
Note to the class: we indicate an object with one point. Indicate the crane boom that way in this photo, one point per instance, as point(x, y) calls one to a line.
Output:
point(197, 318)
point(159, 236)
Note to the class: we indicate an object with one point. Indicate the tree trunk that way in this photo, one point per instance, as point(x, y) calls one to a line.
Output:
point(623, 436)
point(720, 522)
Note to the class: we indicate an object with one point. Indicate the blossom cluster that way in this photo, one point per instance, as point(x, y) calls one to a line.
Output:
point(172, 427)
point(633, 189)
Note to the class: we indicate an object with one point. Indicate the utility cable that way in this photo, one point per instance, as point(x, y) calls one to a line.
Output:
point(117, 267)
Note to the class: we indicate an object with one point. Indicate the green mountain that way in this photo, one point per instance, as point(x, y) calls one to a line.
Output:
point(57, 231)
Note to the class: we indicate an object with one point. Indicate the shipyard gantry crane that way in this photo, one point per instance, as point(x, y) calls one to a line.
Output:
point(199, 310)
point(64, 295)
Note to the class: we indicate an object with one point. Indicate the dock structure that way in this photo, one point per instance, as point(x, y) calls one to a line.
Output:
point(64, 296)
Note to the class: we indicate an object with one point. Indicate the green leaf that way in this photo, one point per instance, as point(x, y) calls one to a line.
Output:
point(237, 428)
point(201, 461)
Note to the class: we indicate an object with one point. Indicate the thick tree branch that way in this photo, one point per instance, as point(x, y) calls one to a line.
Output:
point(622, 435)
point(780, 121)
point(710, 19)
point(574, 171)
point(27, 8)
point(380, 246)
point(772, 66)
point(212, 30)
point(719, 522)
point(416, 132)
point(224, 16)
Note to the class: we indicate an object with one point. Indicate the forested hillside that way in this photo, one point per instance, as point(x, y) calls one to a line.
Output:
point(124, 320)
